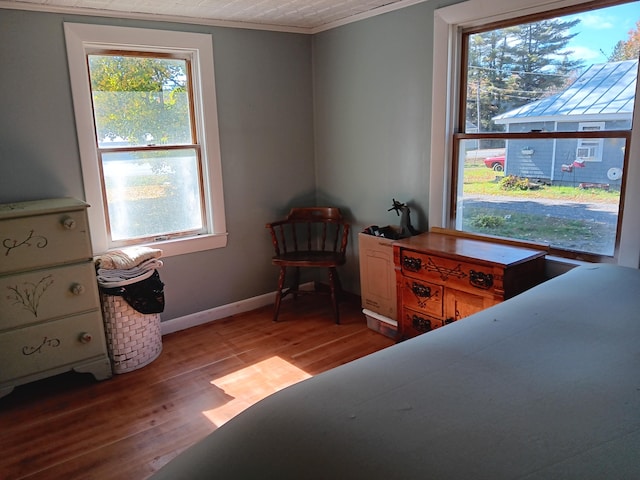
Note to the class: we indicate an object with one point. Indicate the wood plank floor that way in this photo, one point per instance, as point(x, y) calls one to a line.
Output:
point(72, 427)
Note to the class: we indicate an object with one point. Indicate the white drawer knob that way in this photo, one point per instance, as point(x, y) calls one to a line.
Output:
point(68, 223)
point(85, 337)
point(77, 289)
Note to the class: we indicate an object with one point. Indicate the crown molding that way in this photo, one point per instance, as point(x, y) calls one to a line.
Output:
point(68, 10)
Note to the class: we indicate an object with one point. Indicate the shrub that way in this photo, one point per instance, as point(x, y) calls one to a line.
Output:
point(512, 182)
point(487, 221)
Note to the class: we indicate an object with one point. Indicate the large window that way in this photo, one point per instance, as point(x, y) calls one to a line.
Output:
point(147, 130)
point(539, 136)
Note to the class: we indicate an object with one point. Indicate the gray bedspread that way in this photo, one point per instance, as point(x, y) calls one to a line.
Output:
point(543, 386)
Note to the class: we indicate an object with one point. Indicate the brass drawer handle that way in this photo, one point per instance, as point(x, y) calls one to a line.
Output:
point(421, 324)
point(412, 264)
point(420, 290)
point(480, 279)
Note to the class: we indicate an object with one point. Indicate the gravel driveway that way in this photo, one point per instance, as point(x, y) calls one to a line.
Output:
point(597, 212)
point(605, 215)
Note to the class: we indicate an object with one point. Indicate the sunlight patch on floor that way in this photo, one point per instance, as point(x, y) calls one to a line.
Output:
point(251, 384)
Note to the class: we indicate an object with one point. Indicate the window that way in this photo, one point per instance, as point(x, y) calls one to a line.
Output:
point(590, 149)
point(147, 128)
point(532, 143)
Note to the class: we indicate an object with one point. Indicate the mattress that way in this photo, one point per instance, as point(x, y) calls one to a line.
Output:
point(545, 385)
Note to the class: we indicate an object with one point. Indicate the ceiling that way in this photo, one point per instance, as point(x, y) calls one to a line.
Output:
point(300, 16)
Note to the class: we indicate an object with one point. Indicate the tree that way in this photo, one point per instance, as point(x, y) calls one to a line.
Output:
point(516, 65)
point(141, 100)
point(627, 49)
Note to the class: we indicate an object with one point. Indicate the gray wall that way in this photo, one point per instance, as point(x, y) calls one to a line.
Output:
point(372, 94)
point(264, 90)
point(341, 118)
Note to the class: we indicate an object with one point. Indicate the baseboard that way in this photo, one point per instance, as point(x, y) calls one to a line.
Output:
point(223, 311)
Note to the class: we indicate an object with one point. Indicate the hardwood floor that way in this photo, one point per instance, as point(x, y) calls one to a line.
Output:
point(127, 427)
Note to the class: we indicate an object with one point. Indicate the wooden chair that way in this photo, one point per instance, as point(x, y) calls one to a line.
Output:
point(313, 237)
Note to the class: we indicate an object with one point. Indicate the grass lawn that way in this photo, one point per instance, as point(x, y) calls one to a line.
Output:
point(577, 230)
point(482, 181)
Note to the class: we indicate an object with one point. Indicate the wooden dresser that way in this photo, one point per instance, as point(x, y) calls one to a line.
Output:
point(50, 317)
point(442, 278)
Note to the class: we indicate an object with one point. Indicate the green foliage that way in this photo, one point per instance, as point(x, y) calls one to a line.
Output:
point(627, 49)
point(513, 182)
point(140, 100)
point(573, 233)
point(576, 234)
point(516, 65)
point(480, 180)
point(487, 221)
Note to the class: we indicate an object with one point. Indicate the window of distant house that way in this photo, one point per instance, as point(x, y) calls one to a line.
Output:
point(542, 132)
point(148, 137)
point(590, 149)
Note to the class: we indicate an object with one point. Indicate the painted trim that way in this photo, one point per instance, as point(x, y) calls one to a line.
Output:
point(82, 37)
point(362, 16)
point(12, 5)
point(223, 311)
point(447, 24)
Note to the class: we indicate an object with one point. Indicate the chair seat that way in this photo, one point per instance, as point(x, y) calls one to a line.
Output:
point(310, 258)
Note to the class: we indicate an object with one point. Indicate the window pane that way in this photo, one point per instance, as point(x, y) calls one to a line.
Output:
point(152, 193)
point(140, 100)
point(540, 191)
point(547, 112)
point(539, 74)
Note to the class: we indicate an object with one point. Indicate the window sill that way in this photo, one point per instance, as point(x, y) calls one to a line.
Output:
point(182, 246)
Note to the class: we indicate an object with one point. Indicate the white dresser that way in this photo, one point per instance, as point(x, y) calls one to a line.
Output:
point(50, 317)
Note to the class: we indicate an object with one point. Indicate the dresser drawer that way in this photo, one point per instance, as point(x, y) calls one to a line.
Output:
point(43, 240)
point(422, 296)
point(459, 304)
point(52, 345)
point(39, 295)
point(414, 323)
point(452, 273)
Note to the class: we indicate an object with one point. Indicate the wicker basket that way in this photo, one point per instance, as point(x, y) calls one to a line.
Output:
point(133, 338)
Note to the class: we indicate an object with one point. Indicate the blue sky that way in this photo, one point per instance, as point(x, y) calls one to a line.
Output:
point(600, 30)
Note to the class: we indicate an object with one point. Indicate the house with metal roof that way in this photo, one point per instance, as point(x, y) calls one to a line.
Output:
point(602, 98)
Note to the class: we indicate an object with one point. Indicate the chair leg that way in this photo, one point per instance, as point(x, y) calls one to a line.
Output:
point(296, 282)
point(281, 277)
point(334, 285)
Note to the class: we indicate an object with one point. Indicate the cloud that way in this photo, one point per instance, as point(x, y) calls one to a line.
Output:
point(584, 53)
point(597, 22)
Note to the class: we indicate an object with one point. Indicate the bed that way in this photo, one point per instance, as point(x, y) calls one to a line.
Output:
point(543, 386)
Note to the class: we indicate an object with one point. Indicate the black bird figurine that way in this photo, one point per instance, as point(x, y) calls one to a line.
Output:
point(406, 229)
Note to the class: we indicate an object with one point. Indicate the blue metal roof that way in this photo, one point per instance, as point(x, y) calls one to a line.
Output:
point(606, 89)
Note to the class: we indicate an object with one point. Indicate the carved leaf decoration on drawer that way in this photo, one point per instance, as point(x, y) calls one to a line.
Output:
point(444, 272)
point(46, 342)
point(29, 294)
point(39, 242)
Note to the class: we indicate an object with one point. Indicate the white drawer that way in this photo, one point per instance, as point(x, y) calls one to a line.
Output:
point(44, 240)
point(52, 345)
point(35, 296)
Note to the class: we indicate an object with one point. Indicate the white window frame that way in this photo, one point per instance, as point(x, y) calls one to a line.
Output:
point(448, 22)
point(592, 144)
point(80, 38)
